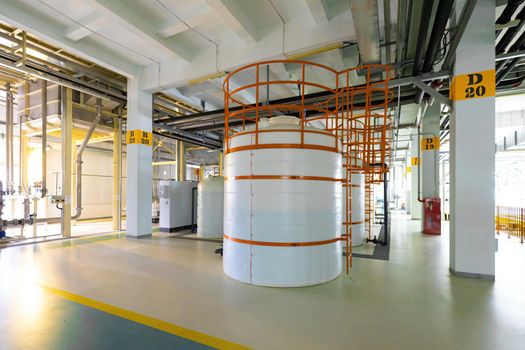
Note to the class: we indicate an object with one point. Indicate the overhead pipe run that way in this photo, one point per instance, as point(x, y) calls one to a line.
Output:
point(511, 33)
point(426, 13)
point(43, 191)
point(443, 13)
point(80, 152)
point(9, 135)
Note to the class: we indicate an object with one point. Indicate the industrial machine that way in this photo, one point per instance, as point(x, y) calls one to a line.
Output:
point(210, 207)
point(177, 205)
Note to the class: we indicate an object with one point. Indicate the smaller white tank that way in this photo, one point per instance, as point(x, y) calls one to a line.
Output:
point(210, 207)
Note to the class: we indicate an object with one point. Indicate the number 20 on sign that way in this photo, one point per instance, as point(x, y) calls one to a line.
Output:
point(473, 85)
point(139, 137)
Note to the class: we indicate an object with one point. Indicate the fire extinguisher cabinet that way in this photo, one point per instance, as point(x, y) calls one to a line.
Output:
point(432, 216)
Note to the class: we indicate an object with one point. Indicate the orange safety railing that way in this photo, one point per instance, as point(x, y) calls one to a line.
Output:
point(511, 220)
point(351, 104)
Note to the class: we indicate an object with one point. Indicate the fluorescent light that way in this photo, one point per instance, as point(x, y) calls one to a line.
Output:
point(315, 51)
point(207, 77)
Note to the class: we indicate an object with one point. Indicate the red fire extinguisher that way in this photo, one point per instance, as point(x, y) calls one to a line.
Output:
point(432, 216)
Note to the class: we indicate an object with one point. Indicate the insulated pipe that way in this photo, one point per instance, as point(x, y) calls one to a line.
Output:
point(79, 158)
point(9, 138)
point(21, 189)
point(426, 13)
point(44, 138)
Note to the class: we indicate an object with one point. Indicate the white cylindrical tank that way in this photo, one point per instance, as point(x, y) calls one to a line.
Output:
point(358, 209)
point(210, 207)
point(283, 206)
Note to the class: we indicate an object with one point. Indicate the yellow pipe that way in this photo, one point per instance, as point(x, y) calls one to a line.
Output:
point(117, 173)
point(167, 162)
point(315, 51)
point(221, 160)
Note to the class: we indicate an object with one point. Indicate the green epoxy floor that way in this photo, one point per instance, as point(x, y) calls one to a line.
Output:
point(62, 324)
point(409, 302)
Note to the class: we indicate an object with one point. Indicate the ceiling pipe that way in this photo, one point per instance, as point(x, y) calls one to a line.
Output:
point(509, 10)
point(43, 192)
point(9, 134)
point(80, 152)
point(464, 18)
point(443, 13)
point(511, 33)
point(426, 13)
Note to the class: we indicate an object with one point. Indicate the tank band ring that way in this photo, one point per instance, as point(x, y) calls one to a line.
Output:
point(282, 244)
point(354, 222)
point(283, 145)
point(352, 185)
point(282, 177)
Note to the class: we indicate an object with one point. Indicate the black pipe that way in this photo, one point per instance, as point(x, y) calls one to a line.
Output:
point(509, 10)
point(501, 75)
point(426, 13)
point(440, 23)
point(511, 33)
point(443, 13)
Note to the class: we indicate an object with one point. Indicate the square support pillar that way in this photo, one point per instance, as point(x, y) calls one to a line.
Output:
point(415, 205)
point(139, 168)
point(472, 158)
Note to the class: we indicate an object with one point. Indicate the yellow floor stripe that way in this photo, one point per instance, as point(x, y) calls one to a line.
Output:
point(148, 321)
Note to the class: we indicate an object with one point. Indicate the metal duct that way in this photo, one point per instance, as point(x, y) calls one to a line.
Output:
point(365, 16)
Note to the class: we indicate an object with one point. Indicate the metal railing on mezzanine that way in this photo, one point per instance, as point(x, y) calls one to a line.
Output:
point(511, 221)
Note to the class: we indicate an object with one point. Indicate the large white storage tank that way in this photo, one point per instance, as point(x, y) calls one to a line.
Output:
point(283, 206)
point(358, 209)
point(210, 207)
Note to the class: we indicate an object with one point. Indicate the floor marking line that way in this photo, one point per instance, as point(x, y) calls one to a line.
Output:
point(148, 321)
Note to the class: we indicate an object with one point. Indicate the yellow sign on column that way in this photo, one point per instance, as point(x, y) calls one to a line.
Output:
point(139, 137)
point(430, 143)
point(415, 161)
point(473, 85)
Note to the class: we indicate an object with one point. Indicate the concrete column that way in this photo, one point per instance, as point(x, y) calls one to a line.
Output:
point(139, 168)
point(472, 242)
point(117, 172)
point(415, 205)
point(67, 140)
point(221, 159)
point(430, 157)
point(181, 161)
point(408, 185)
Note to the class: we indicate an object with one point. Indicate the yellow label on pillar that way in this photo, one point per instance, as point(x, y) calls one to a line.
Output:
point(139, 137)
point(473, 85)
point(415, 161)
point(409, 169)
point(430, 143)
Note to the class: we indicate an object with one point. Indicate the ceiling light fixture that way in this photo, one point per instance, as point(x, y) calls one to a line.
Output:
point(207, 77)
point(315, 51)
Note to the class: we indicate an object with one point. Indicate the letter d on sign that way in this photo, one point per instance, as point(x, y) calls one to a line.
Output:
point(475, 78)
